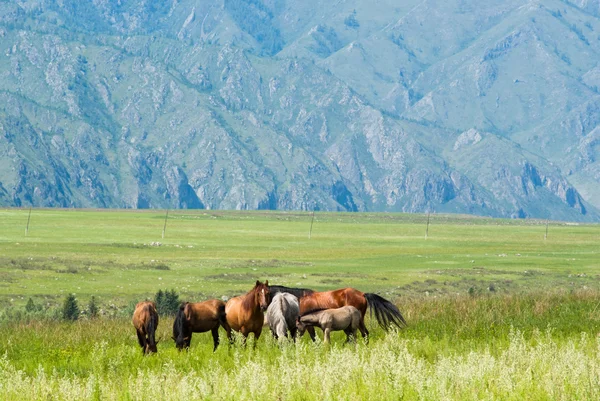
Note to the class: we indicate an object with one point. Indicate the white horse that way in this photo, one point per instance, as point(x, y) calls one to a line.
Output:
point(282, 314)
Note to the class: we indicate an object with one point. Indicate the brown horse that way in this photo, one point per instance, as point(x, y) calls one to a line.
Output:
point(199, 317)
point(245, 313)
point(145, 321)
point(386, 313)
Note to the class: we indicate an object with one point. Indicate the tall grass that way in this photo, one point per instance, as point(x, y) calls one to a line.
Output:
point(505, 347)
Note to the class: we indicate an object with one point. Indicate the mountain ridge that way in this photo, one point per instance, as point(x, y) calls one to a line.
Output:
point(184, 105)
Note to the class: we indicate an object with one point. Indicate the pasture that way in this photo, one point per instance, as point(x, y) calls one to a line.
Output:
point(495, 311)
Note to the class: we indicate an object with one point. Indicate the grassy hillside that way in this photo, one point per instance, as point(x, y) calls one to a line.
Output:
point(114, 254)
point(494, 310)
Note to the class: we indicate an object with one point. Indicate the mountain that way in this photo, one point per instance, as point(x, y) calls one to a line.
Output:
point(487, 107)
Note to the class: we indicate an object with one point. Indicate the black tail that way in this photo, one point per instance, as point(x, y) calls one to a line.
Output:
point(179, 327)
point(221, 315)
point(386, 312)
point(151, 327)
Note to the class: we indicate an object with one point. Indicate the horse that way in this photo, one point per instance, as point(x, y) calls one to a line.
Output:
point(346, 318)
point(245, 312)
point(281, 315)
point(145, 321)
point(386, 313)
point(199, 317)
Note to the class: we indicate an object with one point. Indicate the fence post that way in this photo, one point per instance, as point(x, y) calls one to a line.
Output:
point(165, 226)
point(28, 219)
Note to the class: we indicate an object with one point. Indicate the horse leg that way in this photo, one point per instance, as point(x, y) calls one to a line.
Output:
point(363, 330)
point(256, 337)
point(350, 334)
point(141, 339)
point(311, 332)
point(215, 335)
point(227, 328)
point(326, 335)
point(294, 333)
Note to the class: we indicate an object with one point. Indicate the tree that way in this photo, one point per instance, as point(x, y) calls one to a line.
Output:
point(93, 307)
point(70, 310)
point(30, 307)
point(167, 302)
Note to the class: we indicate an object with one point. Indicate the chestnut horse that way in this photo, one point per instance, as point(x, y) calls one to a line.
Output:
point(145, 321)
point(245, 312)
point(199, 317)
point(386, 313)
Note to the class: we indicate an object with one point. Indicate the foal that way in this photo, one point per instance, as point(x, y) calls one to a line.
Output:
point(346, 318)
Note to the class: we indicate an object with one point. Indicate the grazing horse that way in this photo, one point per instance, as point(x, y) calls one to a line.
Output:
point(282, 314)
point(145, 321)
point(245, 312)
point(386, 313)
point(346, 318)
point(199, 317)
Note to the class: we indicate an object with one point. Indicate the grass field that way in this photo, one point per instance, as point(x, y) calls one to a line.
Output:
point(495, 311)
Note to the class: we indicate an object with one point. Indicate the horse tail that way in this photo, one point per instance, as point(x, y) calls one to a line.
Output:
point(386, 312)
point(221, 315)
point(179, 325)
point(151, 326)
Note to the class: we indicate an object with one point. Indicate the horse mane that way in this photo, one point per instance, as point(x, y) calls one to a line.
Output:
point(297, 292)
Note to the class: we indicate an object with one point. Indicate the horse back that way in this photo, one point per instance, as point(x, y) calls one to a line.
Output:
point(144, 312)
point(343, 317)
point(204, 316)
point(334, 299)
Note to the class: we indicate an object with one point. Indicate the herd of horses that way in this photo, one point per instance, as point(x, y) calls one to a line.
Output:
point(289, 313)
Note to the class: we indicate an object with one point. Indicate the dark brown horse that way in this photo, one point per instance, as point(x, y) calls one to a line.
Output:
point(386, 313)
point(199, 317)
point(145, 321)
point(245, 313)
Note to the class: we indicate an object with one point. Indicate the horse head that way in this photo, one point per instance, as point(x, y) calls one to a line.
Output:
point(262, 294)
point(151, 347)
point(300, 326)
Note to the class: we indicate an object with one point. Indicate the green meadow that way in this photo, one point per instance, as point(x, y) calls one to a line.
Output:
point(495, 308)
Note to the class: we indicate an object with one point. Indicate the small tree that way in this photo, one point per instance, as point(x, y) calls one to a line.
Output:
point(172, 301)
point(167, 302)
point(159, 300)
point(30, 307)
point(93, 307)
point(70, 310)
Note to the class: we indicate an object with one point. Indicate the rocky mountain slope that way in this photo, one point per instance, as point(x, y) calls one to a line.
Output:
point(488, 107)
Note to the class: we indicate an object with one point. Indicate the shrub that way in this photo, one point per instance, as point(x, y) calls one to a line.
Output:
point(30, 307)
point(167, 302)
point(70, 309)
point(93, 307)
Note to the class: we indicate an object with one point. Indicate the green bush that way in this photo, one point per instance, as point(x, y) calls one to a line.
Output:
point(70, 309)
point(93, 307)
point(167, 302)
point(30, 307)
